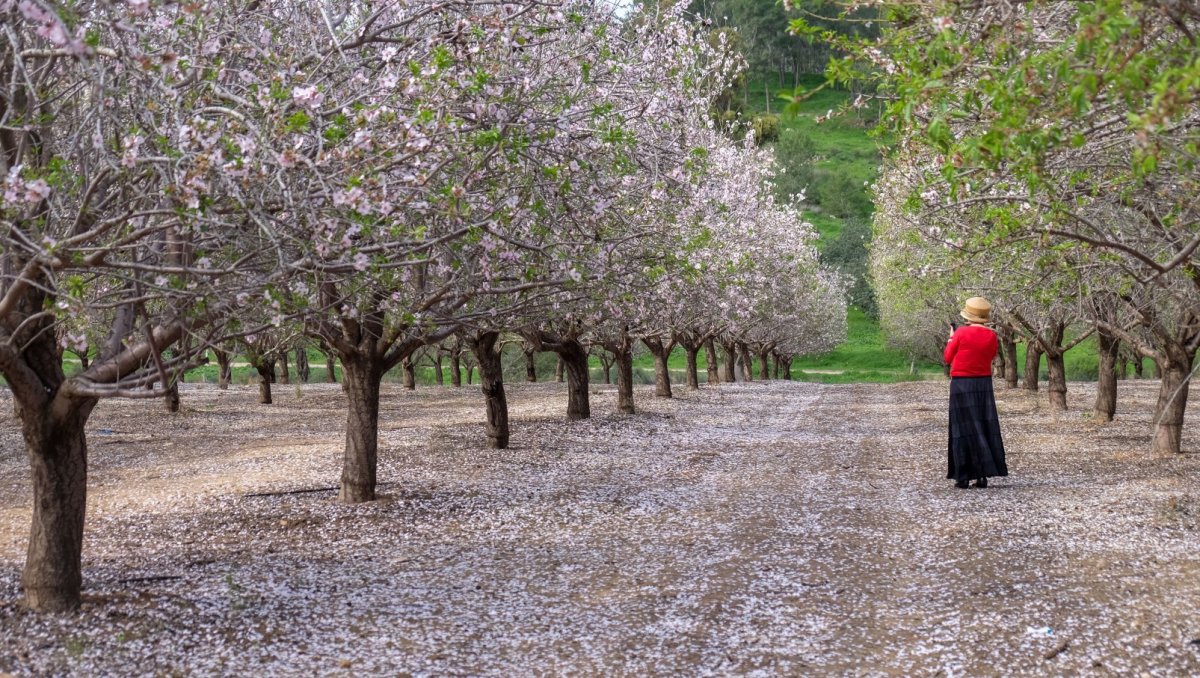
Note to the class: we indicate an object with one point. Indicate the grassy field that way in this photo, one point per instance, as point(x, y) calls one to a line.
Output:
point(864, 357)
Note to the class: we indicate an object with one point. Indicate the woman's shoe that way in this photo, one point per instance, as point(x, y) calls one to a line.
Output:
point(981, 483)
point(961, 484)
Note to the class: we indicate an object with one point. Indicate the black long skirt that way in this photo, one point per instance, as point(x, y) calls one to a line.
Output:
point(976, 449)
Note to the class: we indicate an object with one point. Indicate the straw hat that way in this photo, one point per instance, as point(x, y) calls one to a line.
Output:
point(976, 310)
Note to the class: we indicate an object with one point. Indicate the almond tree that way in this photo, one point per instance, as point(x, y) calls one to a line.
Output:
point(133, 203)
point(1071, 129)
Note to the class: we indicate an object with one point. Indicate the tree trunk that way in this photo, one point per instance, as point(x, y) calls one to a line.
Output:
point(530, 366)
point(437, 369)
point(172, 397)
point(1057, 386)
point(455, 370)
point(1008, 345)
point(1106, 386)
point(224, 369)
point(778, 372)
point(491, 383)
point(410, 374)
point(285, 377)
point(266, 371)
point(558, 370)
point(1138, 361)
point(331, 369)
point(787, 369)
point(710, 362)
point(764, 365)
point(360, 458)
point(57, 447)
point(1033, 363)
point(624, 361)
point(998, 365)
point(470, 374)
point(574, 360)
point(1122, 368)
point(1055, 366)
point(747, 362)
point(606, 365)
point(1172, 401)
point(691, 373)
point(662, 372)
point(302, 369)
point(729, 367)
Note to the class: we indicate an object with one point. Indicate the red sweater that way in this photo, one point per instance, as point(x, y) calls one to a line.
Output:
point(970, 351)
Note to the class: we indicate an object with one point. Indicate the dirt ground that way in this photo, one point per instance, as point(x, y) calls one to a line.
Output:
point(750, 529)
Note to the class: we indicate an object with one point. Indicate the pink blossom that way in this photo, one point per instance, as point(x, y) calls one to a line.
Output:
point(132, 145)
point(309, 97)
point(55, 32)
point(34, 12)
point(36, 190)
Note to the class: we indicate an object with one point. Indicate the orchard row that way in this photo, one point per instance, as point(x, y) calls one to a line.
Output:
point(379, 177)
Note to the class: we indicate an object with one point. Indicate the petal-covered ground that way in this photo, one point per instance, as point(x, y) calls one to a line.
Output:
point(752, 529)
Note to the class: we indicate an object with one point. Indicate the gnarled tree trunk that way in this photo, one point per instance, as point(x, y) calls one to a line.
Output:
point(530, 365)
point(266, 375)
point(455, 370)
point(1057, 384)
point(575, 363)
point(410, 374)
point(623, 355)
point(491, 384)
point(1033, 364)
point(172, 396)
point(330, 369)
point(1008, 345)
point(691, 372)
point(710, 362)
point(224, 369)
point(53, 425)
point(729, 367)
point(662, 372)
point(361, 376)
point(1172, 400)
point(302, 369)
point(1052, 346)
point(437, 369)
point(558, 370)
point(1106, 385)
point(764, 364)
point(285, 377)
point(57, 447)
point(747, 362)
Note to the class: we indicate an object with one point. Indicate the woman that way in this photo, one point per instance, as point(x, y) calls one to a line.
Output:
point(976, 451)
